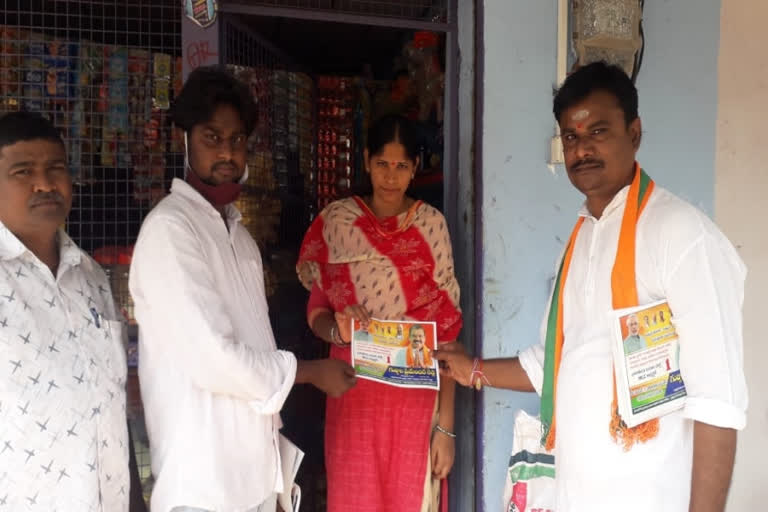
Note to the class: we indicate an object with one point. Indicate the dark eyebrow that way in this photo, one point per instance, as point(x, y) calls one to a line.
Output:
point(219, 132)
point(22, 164)
point(30, 163)
point(598, 123)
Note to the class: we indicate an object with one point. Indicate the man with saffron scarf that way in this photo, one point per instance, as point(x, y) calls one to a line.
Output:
point(634, 243)
point(417, 354)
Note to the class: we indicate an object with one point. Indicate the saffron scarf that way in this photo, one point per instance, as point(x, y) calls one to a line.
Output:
point(624, 295)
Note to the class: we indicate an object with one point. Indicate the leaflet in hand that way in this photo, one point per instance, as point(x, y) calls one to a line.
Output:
point(398, 353)
point(290, 460)
point(646, 355)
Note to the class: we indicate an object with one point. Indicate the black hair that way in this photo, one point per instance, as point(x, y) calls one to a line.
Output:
point(394, 128)
point(205, 90)
point(390, 128)
point(416, 327)
point(597, 76)
point(25, 126)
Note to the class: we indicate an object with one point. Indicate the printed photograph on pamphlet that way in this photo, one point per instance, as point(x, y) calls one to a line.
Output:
point(398, 353)
point(647, 355)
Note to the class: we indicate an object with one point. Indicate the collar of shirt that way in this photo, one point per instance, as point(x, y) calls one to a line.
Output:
point(11, 247)
point(618, 200)
point(185, 190)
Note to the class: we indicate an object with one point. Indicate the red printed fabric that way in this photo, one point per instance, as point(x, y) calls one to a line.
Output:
point(317, 300)
point(377, 436)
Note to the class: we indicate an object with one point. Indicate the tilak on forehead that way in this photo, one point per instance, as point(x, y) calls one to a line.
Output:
point(579, 116)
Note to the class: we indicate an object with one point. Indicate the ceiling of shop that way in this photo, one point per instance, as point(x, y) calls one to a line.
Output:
point(323, 47)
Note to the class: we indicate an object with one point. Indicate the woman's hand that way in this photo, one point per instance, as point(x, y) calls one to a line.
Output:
point(443, 452)
point(343, 320)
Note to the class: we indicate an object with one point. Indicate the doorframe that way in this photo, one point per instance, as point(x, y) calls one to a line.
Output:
point(478, 226)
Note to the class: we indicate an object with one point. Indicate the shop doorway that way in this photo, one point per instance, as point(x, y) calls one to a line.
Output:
point(320, 77)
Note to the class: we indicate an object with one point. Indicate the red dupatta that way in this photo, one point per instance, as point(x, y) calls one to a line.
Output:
point(399, 267)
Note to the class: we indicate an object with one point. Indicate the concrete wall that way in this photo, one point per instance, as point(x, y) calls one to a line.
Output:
point(741, 189)
point(528, 211)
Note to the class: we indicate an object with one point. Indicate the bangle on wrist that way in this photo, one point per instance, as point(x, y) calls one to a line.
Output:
point(444, 431)
point(333, 334)
point(335, 337)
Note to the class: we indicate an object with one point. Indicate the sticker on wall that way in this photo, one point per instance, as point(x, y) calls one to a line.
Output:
point(202, 12)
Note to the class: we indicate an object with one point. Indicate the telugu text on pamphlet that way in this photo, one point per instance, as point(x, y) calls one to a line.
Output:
point(398, 353)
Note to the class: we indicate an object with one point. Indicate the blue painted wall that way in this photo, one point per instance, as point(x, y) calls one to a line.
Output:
point(528, 210)
point(678, 96)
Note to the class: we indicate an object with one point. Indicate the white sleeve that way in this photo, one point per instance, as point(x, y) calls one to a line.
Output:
point(532, 361)
point(174, 294)
point(705, 291)
point(532, 358)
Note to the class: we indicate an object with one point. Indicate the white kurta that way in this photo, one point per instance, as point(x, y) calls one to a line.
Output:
point(63, 430)
point(212, 380)
point(681, 257)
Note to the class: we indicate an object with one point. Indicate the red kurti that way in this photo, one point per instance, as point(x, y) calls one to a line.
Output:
point(377, 437)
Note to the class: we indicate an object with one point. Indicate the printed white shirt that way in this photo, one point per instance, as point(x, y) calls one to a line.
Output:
point(212, 379)
point(681, 257)
point(63, 430)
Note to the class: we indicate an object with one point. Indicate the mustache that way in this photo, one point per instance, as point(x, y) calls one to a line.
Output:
point(587, 162)
point(48, 197)
point(224, 164)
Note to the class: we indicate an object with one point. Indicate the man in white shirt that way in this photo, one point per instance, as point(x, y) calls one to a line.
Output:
point(212, 379)
point(680, 256)
point(63, 435)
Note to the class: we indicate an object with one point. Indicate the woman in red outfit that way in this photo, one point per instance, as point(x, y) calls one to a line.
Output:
point(389, 257)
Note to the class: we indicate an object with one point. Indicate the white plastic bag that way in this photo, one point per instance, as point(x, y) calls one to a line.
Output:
point(530, 485)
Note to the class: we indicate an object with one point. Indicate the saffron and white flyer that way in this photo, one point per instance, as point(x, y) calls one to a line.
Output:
point(397, 353)
point(646, 358)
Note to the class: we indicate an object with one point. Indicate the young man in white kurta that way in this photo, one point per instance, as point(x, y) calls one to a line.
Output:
point(212, 379)
point(63, 430)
